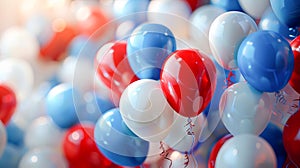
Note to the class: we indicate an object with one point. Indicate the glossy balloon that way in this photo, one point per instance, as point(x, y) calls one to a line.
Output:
point(147, 48)
point(146, 111)
point(247, 151)
point(244, 109)
point(288, 11)
point(269, 21)
point(8, 103)
point(3, 138)
point(116, 142)
point(215, 150)
point(291, 139)
point(188, 80)
point(228, 5)
point(225, 35)
point(266, 61)
point(295, 78)
point(60, 105)
point(255, 8)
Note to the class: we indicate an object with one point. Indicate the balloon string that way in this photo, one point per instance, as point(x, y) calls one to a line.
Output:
point(189, 132)
point(165, 154)
point(280, 98)
point(228, 80)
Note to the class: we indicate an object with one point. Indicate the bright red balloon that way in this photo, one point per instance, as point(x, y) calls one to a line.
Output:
point(114, 70)
point(80, 148)
point(291, 138)
point(188, 80)
point(8, 103)
point(215, 150)
point(194, 4)
point(295, 78)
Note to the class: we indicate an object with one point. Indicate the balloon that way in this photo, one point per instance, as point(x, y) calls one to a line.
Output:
point(291, 140)
point(3, 138)
point(8, 103)
point(43, 132)
point(180, 160)
point(228, 5)
point(287, 11)
point(113, 68)
point(11, 156)
point(117, 142)
point(201, 20)
point(225, 35)
point(195, 4)
point(247, 151)
point(255, 8)
point(215, 150)
point(188, 81)
point(244, 109)
point(43, 157)
point(147, 48)
point(266, 61)
point(295, 78)
point(60, 105)
point(15, 134)
point(82, 46)
point(79, 146)
point(146, 111)
point(269, 21)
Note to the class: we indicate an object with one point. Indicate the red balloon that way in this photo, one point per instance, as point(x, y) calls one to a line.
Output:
point(291, 138)
point(80, 149)
point(289, 164)
point(8, 103)
point(114, 70)
point(188, 80)
point(295, 78)
point(194, 4)
point(215, 150)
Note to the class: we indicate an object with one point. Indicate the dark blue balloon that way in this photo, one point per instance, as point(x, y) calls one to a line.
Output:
point(116, 141)
point(269, 21)
point(147, 48)
point(60, 105)
point(287, 11)
point(15, 135)
point(273, 135)
point(228, 5)
point(266, 61)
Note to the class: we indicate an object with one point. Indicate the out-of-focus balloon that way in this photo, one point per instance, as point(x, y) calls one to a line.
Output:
point(146, 111)
point(225, 35)
point(244, 109)
point(3, 138)
point(43, 157)
point(188, 81)
point(255, 8)
point(215, 150)
point(269, 21)
point(116, 142)
point(60, 105)
point(201, 20)
point(15, 134)
point(287, 11)
point(295, 78)
point(82, 46)
point(195, 4)
point(43, 132)
point(266, 61)
point(17, 74)
point(248, 151)
point(11, 156)
point(80, 148)
point(113, 68)
point(291, 139)
point(147, 48)
point(8, 103)
point(228, 5)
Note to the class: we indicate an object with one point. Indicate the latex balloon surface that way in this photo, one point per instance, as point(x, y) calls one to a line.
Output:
point(255, 8)
point(288, 11)
point(8, 103)
point(295, 78)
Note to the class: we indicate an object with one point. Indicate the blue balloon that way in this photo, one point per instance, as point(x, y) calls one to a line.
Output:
point(287, 11)
point(117, 142)
point(269, 21)
point(266, 61)
point(228, 5)
point(83, 46)
point(15, 135)
point(60, 105)
point(273, 135)
point(11, 156)
point(147, 48)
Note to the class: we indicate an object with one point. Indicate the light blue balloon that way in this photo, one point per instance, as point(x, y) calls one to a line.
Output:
point(117, 142)
point(82, 46)
point(15, 135)
point(228, 5)
point(11, 156)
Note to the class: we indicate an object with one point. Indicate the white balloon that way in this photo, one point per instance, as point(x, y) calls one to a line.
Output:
point(255, 8)
point(146, 111)
point(43, 157)
point(201, 20)
point(179, 159)
point(247, 151)
point(3, 138)
point(18, 74)
point(43, 133)
point(226, 33)
point(244, 109)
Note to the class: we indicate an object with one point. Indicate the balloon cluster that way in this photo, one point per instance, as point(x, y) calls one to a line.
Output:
point(160, 83)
